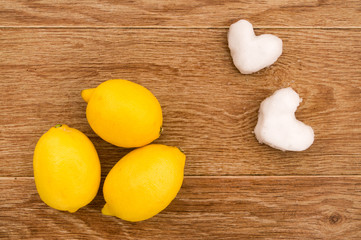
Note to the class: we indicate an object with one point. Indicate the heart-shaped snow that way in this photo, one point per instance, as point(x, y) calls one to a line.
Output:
point(251, 53)
point(277, 125)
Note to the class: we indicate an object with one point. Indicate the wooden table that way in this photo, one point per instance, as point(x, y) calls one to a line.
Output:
point(234, 188)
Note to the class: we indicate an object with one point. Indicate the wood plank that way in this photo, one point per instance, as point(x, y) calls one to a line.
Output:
point(210, 109)
point(181, 13)
point(205, 208)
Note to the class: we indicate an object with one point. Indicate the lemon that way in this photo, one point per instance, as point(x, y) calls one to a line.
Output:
point(143, 182)
point(123, 113)
point(66, 168)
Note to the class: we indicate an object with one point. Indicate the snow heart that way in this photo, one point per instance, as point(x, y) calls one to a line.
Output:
point(251, 53)
point(277, 125)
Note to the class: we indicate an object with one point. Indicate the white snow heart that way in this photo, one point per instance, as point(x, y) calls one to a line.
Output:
point(251, 53)
point(277, 125)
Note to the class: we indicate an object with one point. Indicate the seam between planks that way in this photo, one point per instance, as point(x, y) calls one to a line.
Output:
point(169, 27)
point(234, 177)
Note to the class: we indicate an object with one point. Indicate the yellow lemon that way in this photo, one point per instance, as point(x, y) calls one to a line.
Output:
point(66, 168)
point(143, 182)
point(123, 113)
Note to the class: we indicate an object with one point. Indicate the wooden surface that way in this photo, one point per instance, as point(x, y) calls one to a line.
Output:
point(234, 187)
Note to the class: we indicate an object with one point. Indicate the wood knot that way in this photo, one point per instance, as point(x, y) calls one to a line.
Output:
point(335, 218)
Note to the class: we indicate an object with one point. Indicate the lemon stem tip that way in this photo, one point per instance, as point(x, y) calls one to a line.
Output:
point(106, 210)
point(73, 210)
point(58, 125)
point(87, 93)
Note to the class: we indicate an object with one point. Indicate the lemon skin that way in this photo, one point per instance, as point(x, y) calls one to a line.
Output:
point(143, 182)
point(66, 168)
point(123, 113)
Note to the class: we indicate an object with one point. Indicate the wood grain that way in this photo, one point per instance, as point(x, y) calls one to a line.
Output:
point(209, 108)
point(51, 50)
point(181, 13)
point(205, 208)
